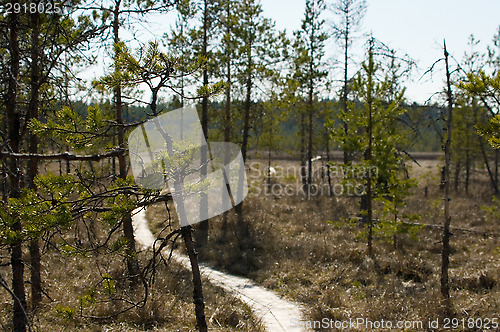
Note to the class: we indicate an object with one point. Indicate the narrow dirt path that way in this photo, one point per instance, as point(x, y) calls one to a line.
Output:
point(276, 313)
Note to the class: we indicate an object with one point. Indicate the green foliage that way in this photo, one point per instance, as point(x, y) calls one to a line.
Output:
point(69, 250)
point(153, 67)
point(480, 98)
point(309, 49)
point(7, 234)
point(120, 245)
point(484, 86)
point(492, 211)
point(38, 211)
point(210, 90)
point(108, 284)
point(87, 299)
point(268, 123)
point(57, 187)
point(120, 203)
point(180, 163)
point(375, 139)
point(388, 228)
point(65, 312)
point(74, 129)
point(492, 132)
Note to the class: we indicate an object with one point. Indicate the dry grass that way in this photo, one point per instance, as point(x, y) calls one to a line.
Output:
point(81, 301)
point(293, 250)
point(77, 299)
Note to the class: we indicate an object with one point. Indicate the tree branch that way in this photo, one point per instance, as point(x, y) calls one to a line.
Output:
point(58, 156)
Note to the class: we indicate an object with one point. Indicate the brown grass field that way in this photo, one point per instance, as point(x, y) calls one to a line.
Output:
point(307, 251)
point(169, 306)
point(84, 291)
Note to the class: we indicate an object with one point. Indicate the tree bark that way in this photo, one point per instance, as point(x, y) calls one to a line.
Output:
point(345, 88)
point(328, 173)
point(203, 227)
point(246, 128)
point(467, 168)
point(496, 168)
point(445, 254)
point(34, 247)
point(458, 167)
point(197, 285)
point(186, 229)
point(19, 318)
point(36, 279)
point(368, 156)
point(303, 175)
point(227, 111)
point(485, 159)
point(128, 231)
point(310, 110)
point(310, 133)
point(186, 232)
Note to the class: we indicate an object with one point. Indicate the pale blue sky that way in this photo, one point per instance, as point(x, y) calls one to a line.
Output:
point(416, 27)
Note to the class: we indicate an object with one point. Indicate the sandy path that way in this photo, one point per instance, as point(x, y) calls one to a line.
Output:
point(276, 313)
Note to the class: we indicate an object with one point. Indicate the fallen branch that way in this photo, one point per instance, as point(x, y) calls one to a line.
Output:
point(455, 229)
point(65, 156)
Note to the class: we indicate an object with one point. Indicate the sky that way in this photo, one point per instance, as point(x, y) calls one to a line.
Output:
point(414, 27)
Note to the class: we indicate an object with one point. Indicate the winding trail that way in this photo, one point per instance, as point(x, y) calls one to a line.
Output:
point(276, 313)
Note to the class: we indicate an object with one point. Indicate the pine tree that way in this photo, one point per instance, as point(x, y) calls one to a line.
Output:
point(374, 138)
point(349, 14)
point(201, 40)
point(35, 43)
point(155, 68)
point(482, 83)
point(116, 13)
point(259, 47)
point(310, 73)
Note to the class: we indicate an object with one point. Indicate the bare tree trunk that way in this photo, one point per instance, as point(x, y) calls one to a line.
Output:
point(445, 254)
point(128, 230)
point(457, 174)
point(19, 318)
point(310, 139)
point(203, 227)
point(467, 168)
point(310, 110)
point(248, 105)
point(344, 92)
point(4, 183)
point(244, 231)
point(186, 229)
point(496, 168)
point(302, 150)
point(368, 157)
point(36, 279)
point(197, 285)
point(328, 173)
point(227, 113)
point(488, 168)
point(34, 247)
point(269, 154)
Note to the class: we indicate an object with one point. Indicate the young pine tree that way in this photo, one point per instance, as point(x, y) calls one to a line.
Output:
point(374, 138)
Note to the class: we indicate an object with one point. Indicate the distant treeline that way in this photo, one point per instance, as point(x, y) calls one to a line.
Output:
point(422, 124)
